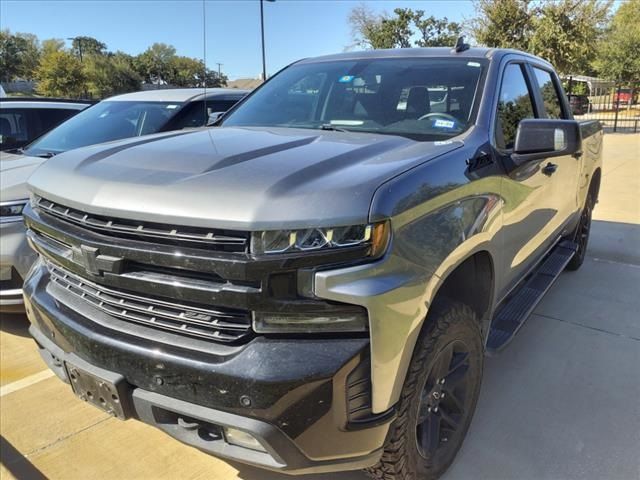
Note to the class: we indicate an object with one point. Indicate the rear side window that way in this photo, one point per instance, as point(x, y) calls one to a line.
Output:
point(50, 117)
point(20, 126)
point(549, 93)
point(195, 115)
point(514, 104)
point(13, 128)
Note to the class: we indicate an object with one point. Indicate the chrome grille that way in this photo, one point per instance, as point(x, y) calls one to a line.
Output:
point(221, 325)
point(223, 240)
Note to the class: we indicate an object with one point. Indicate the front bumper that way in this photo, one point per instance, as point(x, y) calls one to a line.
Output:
point(290, 394)
point(16, 257)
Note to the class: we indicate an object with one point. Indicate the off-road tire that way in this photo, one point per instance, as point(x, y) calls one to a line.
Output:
point(582, 233)
point(401, 460)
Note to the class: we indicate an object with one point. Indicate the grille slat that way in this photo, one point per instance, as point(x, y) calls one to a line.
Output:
point(222, 240)
point(219, 325)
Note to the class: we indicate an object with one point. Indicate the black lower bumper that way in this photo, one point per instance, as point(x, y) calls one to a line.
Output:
point(289, 394)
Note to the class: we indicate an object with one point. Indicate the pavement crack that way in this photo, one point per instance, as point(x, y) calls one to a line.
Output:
point(63, 438)
point(588, 327)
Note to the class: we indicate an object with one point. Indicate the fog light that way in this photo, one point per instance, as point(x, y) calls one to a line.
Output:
point(351, 320)
point(242, 439)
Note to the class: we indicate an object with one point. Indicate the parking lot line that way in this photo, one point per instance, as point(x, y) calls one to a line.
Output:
point(25, 382)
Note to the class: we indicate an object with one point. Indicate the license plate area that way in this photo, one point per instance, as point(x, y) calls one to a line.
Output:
point(105, 390)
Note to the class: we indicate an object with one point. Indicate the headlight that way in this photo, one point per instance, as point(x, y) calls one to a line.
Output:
point(12, 211)
point(315, 239)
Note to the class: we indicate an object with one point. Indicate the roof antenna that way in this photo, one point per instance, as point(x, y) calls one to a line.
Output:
point(204, 62)
point(460, 45)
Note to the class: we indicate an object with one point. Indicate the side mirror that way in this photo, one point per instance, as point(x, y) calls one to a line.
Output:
point(213, 118)
point(538, 139)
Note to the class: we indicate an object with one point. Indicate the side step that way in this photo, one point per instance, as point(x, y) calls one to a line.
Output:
point(512, 314)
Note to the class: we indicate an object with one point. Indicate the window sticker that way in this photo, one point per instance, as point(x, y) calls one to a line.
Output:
point(444, 124)
point(473, 64)
point(171, 107)
point(346, 78)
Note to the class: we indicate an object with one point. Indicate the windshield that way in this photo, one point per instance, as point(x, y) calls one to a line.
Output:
point(420, 98)
point(104, 122)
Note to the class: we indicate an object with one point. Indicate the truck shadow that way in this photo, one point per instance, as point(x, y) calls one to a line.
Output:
point(16, 464)
point(246, 472)
point(14, 324)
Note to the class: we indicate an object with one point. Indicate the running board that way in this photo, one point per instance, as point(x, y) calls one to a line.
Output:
point(512, 314)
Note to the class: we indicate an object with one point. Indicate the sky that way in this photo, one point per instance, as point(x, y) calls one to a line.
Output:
point(294, 29)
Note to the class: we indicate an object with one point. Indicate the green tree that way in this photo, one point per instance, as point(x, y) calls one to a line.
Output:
point(52, 45)
point(371, 30)
point(184, 71)
point(83, 46)
point(566, 33)
point(109, 75)
point(503, 23)
point(435, 32)
point(154, 64)
point(618, 55)
point(376, 31)
point(19, 55)
point(60, 74)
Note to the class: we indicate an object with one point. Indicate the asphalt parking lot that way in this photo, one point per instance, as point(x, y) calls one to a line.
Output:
point(561, 402)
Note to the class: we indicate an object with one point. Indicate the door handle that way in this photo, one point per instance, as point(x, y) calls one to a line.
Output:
point(549, 168)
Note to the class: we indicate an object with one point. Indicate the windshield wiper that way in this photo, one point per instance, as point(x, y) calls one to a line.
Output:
point(45, 155)
point(332, 128)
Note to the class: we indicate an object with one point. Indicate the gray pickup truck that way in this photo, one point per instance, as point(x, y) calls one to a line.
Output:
point(311, 284)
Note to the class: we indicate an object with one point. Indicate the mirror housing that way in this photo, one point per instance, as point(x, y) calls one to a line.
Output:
point(213, 118)
point(540, 138)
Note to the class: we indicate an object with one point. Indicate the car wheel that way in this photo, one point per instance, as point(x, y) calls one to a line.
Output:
point(438, 398)
point(581, 235)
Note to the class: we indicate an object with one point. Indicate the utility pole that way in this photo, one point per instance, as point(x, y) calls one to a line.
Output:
point(219, 69)
point(79, 40)
point(264, 62)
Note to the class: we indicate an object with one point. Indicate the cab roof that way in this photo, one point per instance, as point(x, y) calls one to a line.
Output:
point(439, 52)
point(179, 94)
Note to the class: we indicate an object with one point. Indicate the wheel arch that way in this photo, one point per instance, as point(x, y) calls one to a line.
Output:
point(470, 281)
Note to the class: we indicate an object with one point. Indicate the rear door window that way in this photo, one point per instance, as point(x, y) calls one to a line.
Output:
point(549, 94)
point(514, 104)
point(195, 115)
point(20, 126)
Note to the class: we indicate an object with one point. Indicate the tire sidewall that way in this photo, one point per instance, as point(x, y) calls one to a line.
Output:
point(464, 329)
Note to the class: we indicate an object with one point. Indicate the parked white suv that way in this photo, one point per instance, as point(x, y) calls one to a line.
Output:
point(123, 116)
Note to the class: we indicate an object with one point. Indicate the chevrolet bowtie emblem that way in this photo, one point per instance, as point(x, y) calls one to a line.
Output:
point(94, 263)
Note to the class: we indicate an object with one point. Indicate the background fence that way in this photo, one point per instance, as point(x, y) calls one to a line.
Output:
point(615, 105)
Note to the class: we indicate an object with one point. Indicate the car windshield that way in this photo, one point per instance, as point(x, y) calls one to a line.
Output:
point(420, 98)
point(104, 122)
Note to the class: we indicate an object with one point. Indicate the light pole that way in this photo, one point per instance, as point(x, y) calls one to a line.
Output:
point(264, 63)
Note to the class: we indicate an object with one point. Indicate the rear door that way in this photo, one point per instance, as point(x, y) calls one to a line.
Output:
point(564, 181)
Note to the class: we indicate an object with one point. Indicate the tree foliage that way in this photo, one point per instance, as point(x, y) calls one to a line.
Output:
point(503, 23)
point(435, 32)
point(154, 63)
point(88, 68)
point(87, 46)
point(618, 54)
point(404, 29)
point(19, 55)
point(564, 32)
point(60, 74)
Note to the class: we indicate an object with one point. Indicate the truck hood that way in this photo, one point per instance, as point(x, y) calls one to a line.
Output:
point(236, 178)
point(14, 171)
